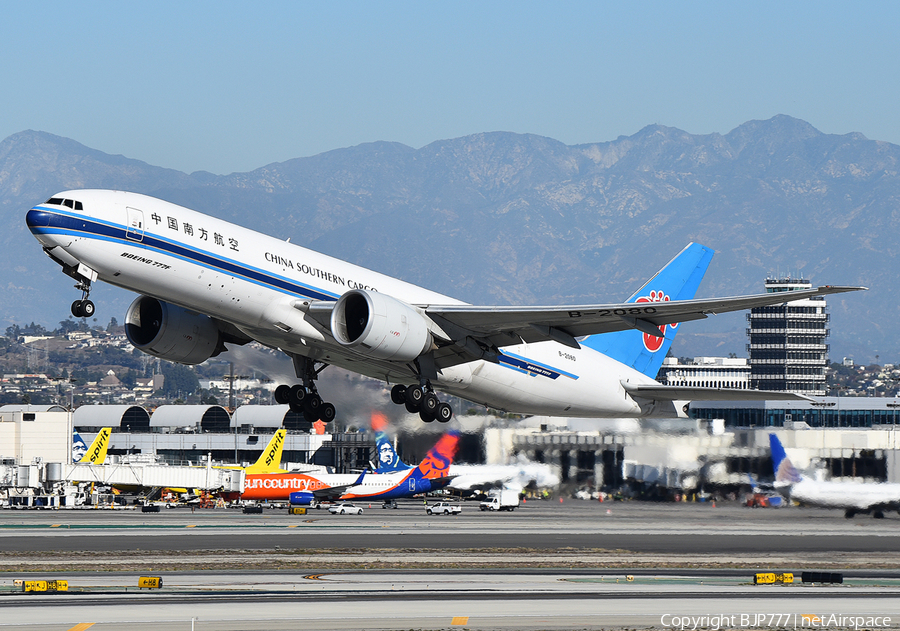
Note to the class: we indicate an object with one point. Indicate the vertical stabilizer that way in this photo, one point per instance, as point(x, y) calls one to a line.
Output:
point(784, 469)
point(388, 460)
point(678, 280)
point(438, 460)
point(79, 447)
point(96, 453)
point(270, 459)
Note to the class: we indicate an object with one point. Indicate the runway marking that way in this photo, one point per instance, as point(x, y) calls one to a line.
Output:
point(313, 577)
point(459, 621)
point(55, 525)
point(81, 626)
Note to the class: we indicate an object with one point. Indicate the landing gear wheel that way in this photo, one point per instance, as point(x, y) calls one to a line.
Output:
point(398, 394)
point(429, 404)
point(310, 417)
point(76, 308)
point(425, 416)
point(296, 409)
point(415, 395)
point(282, 394)
point(87, 308)
point(297, 394)
point(411, 407)
point(443, 413)
point(313, 404)
point(327, 413)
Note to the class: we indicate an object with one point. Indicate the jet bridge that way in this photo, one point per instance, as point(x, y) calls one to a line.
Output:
point(134, 475)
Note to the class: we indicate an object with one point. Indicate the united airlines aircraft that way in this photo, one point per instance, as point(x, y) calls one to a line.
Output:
point(204, 283)
point(853, 497)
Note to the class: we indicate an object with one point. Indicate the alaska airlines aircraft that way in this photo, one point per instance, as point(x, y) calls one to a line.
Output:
point(307, 488)
point(853, 497)
point(204, 282)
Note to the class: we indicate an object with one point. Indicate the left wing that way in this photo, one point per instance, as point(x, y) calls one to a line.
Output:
point(336, 491)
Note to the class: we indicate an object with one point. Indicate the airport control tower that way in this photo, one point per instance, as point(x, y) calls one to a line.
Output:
point(787, 342)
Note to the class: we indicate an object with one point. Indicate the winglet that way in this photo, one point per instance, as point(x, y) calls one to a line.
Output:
point(96, 453)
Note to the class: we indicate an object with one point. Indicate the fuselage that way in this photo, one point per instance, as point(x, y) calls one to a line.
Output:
point(856, 495)
point(253, 281)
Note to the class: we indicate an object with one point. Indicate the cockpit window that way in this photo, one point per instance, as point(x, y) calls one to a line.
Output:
point(59, 201)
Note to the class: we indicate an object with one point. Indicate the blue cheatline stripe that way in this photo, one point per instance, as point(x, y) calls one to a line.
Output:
point(104, 231)
point(523, 364)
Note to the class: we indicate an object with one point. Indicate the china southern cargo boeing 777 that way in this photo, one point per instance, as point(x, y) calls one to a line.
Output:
point(204, 283)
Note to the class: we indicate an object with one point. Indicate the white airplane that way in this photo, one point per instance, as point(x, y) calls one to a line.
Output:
point(853, 497)
point(204, 282)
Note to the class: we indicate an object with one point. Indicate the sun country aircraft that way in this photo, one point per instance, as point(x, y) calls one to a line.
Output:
point(204, 282)
point(307, 488)
point(853, 497)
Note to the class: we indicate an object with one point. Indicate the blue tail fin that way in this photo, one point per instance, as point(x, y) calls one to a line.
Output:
point(79, 447)
point(388, 460)
point(678, 280)
point(784, 469)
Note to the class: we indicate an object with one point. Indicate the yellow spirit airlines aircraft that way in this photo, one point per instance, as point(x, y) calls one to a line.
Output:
point(204, 282)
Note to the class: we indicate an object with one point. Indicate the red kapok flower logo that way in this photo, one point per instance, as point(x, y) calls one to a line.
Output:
point(653, 343)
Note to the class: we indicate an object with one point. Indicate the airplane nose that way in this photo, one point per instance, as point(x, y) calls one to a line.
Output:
point(36, 219)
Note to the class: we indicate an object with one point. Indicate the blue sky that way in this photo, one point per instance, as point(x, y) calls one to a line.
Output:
point(229, 86)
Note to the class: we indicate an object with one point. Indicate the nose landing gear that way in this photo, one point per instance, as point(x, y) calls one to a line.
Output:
point(83, 308)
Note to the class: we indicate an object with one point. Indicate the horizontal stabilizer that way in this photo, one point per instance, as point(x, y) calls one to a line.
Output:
point(686, 393)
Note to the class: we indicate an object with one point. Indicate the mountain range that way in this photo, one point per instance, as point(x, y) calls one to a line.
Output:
point(505, 218)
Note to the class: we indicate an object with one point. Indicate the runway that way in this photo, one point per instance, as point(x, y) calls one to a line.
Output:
point(545, 566)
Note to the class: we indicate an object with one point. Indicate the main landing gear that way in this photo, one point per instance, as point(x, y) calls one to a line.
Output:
point(83, 308)
point(423, 400)
point(304, 399)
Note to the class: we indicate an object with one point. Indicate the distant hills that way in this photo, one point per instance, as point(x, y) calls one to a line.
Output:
point(506, 218)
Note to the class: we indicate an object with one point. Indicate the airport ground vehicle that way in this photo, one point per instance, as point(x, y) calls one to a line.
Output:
point(345, 508)
point(506, 500)
point(443, 508)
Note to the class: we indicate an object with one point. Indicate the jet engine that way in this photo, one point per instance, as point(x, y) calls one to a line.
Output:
point(379, 326)
point(171, 332)
point(302, 498)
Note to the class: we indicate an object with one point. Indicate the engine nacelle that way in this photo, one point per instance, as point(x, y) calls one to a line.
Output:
point(170, 332)
point(379, 326)
point(301, 498)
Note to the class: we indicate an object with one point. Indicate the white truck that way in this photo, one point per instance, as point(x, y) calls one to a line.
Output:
point(443, 508)
point(506, 499)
